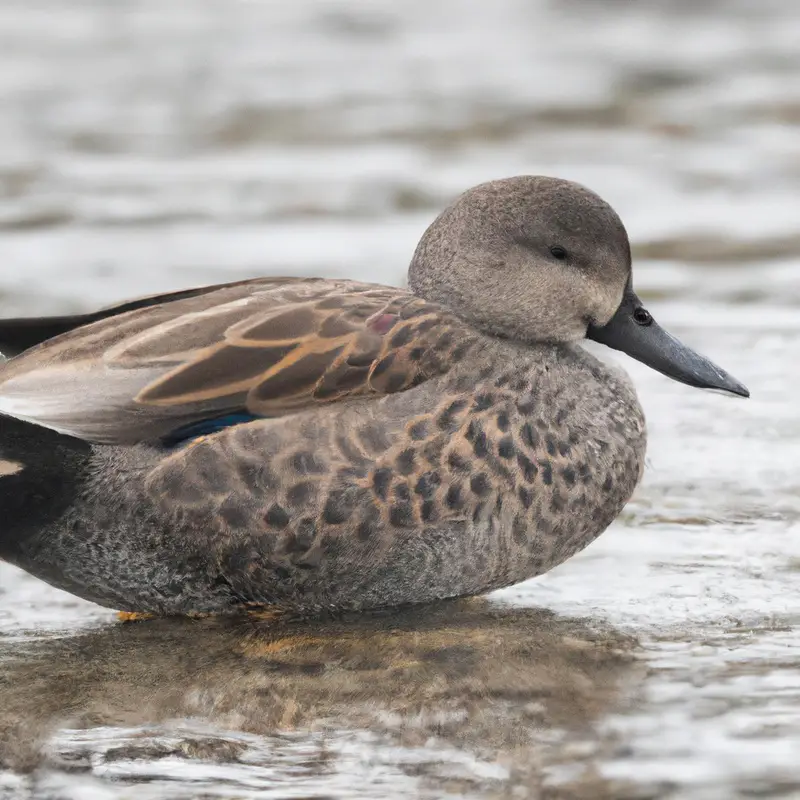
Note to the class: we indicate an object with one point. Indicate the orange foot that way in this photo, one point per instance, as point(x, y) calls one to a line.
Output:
point(253, 610)
point(134, 616)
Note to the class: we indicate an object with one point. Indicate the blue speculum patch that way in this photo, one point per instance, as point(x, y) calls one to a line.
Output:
point(206, 427)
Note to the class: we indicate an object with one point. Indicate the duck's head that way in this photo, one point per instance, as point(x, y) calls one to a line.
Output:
point(539, 259)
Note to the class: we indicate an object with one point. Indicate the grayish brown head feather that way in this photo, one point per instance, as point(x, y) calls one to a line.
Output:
point(487, 257)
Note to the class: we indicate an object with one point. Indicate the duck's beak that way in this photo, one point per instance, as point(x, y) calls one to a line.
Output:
point(633, 331)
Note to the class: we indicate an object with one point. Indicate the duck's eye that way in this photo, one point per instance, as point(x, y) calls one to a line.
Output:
point(557, 251)
point(641, 316)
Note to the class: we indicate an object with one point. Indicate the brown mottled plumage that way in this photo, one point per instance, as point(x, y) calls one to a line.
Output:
point(390, 446)
point(267, 346)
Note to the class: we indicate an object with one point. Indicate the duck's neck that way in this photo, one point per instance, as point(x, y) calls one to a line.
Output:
point(40, 471)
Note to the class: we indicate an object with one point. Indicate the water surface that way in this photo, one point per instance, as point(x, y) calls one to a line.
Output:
point(146, 146)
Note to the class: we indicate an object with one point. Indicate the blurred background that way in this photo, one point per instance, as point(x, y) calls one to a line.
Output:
point(147, 145)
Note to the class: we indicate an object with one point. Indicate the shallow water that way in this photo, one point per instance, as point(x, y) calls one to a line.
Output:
point(146, 146)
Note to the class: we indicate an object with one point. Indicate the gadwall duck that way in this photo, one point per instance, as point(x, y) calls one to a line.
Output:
point(312, 445)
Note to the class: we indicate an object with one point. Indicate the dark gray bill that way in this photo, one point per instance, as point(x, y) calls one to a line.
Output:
point(633, 331)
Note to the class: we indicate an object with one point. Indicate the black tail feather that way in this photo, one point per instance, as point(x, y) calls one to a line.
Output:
point(31, 444)
point(17, 335)
point(40, 475)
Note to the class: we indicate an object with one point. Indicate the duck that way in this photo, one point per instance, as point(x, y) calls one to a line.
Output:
point(315, 445)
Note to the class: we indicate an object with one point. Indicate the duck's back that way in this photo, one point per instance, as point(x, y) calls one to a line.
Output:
point(267, 347)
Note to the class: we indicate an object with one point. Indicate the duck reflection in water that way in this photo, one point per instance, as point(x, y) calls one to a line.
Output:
point(474, 674)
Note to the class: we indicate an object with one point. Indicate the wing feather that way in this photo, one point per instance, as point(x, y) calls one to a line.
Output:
point(267, 347)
